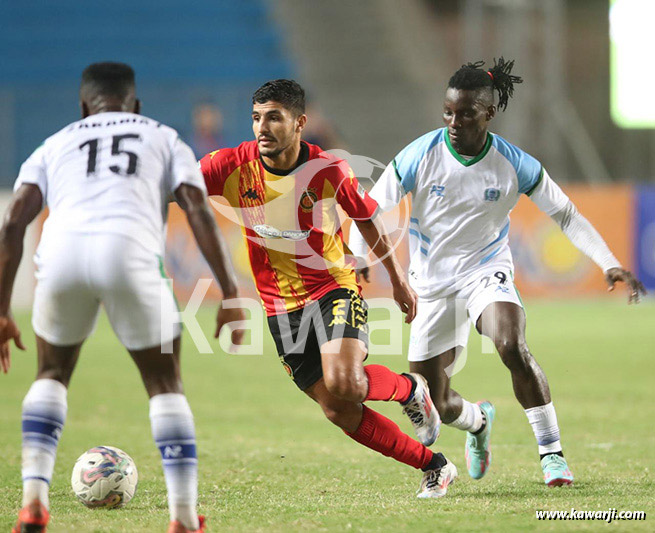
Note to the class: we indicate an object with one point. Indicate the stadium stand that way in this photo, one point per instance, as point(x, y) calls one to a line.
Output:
point(183, 52)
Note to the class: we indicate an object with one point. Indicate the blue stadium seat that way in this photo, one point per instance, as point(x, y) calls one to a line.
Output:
point(183, 52)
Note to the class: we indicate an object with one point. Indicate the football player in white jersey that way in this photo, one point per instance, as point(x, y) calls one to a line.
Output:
point(464, 182)
point(107, 180)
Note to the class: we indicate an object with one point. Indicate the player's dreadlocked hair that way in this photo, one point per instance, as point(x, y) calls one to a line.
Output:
point(498, 77)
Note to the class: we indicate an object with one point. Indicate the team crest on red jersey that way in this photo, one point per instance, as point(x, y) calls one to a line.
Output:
point(308, 199)
point(288, 368)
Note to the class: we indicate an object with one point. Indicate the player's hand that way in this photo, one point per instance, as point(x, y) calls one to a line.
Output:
point(405, 298)
point(228, 313)
point(8, 330)
point(635, 287)
point(363, 274)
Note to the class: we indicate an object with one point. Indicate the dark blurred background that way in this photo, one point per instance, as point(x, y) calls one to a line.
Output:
point(375, 71)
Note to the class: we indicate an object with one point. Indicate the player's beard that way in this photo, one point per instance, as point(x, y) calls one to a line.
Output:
point(272, 152)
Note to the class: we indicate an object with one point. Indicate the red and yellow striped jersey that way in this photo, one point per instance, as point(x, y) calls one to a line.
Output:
point(290, 220)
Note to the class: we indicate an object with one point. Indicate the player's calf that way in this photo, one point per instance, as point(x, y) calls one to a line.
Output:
point(343, 414)
point(379, 433)
point(160, 372)
point(44, 414)
point(449, 406)
point(174, 432)
point(388, 386)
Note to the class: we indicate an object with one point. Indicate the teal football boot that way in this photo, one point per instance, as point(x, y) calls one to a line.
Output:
point(556, 471)
point(478, 451)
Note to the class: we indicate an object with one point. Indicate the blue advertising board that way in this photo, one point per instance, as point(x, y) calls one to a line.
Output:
point(644, 252)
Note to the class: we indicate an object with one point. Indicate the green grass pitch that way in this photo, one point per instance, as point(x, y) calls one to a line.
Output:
point(269, 461)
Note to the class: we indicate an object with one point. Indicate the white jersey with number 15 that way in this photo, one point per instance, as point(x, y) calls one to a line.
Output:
point(111, 172)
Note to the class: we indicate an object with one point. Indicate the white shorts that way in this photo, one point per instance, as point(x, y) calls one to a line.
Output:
point(445, 323)
point(76, 272)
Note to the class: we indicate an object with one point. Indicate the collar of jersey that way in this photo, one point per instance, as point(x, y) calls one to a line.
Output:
point(469, 162)
point(303, 157)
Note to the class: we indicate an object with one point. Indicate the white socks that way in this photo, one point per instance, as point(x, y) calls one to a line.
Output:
point(44, 414)
point(470, 419)
point(544, 424)
point(173, 430)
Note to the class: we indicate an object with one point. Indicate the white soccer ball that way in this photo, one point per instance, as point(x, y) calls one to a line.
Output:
point(105, 477)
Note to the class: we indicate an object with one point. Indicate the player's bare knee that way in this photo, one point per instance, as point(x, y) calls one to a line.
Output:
point(515, 353)
point(346, 385)
point(344, 389)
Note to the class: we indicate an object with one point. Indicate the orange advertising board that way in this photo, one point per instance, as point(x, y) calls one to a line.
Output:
point(546, 262)
point(185, 264)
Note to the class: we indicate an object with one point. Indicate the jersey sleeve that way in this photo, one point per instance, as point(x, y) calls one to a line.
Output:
point(547, 195)
point(529, 171)
point(388, 191)
point(406, 165)
point(352, 196)
point(33, 171)
point(184, 167)
point(216, 167)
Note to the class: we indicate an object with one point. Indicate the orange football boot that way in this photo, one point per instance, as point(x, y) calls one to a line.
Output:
point(32, 518)
point(177, 527)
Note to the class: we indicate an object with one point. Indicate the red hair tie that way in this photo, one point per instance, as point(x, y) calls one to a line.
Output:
point(490, 75)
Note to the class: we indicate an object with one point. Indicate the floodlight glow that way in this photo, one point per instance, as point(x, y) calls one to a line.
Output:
point(632, 48)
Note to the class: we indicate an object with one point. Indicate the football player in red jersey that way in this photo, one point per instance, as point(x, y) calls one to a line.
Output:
point(285, 192)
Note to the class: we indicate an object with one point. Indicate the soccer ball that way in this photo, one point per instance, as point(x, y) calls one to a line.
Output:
point(105, 477)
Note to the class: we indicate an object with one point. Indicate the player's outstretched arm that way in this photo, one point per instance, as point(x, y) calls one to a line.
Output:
point(194, 203)
point(25, 206)
point(552, 201)
point(585, 237)
point(378, 241)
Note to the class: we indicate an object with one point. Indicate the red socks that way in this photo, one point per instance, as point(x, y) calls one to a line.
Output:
point(379, 433)
point(385, 385)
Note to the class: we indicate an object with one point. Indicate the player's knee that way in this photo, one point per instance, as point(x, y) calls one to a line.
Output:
point(345, 385)
point(514, 352)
